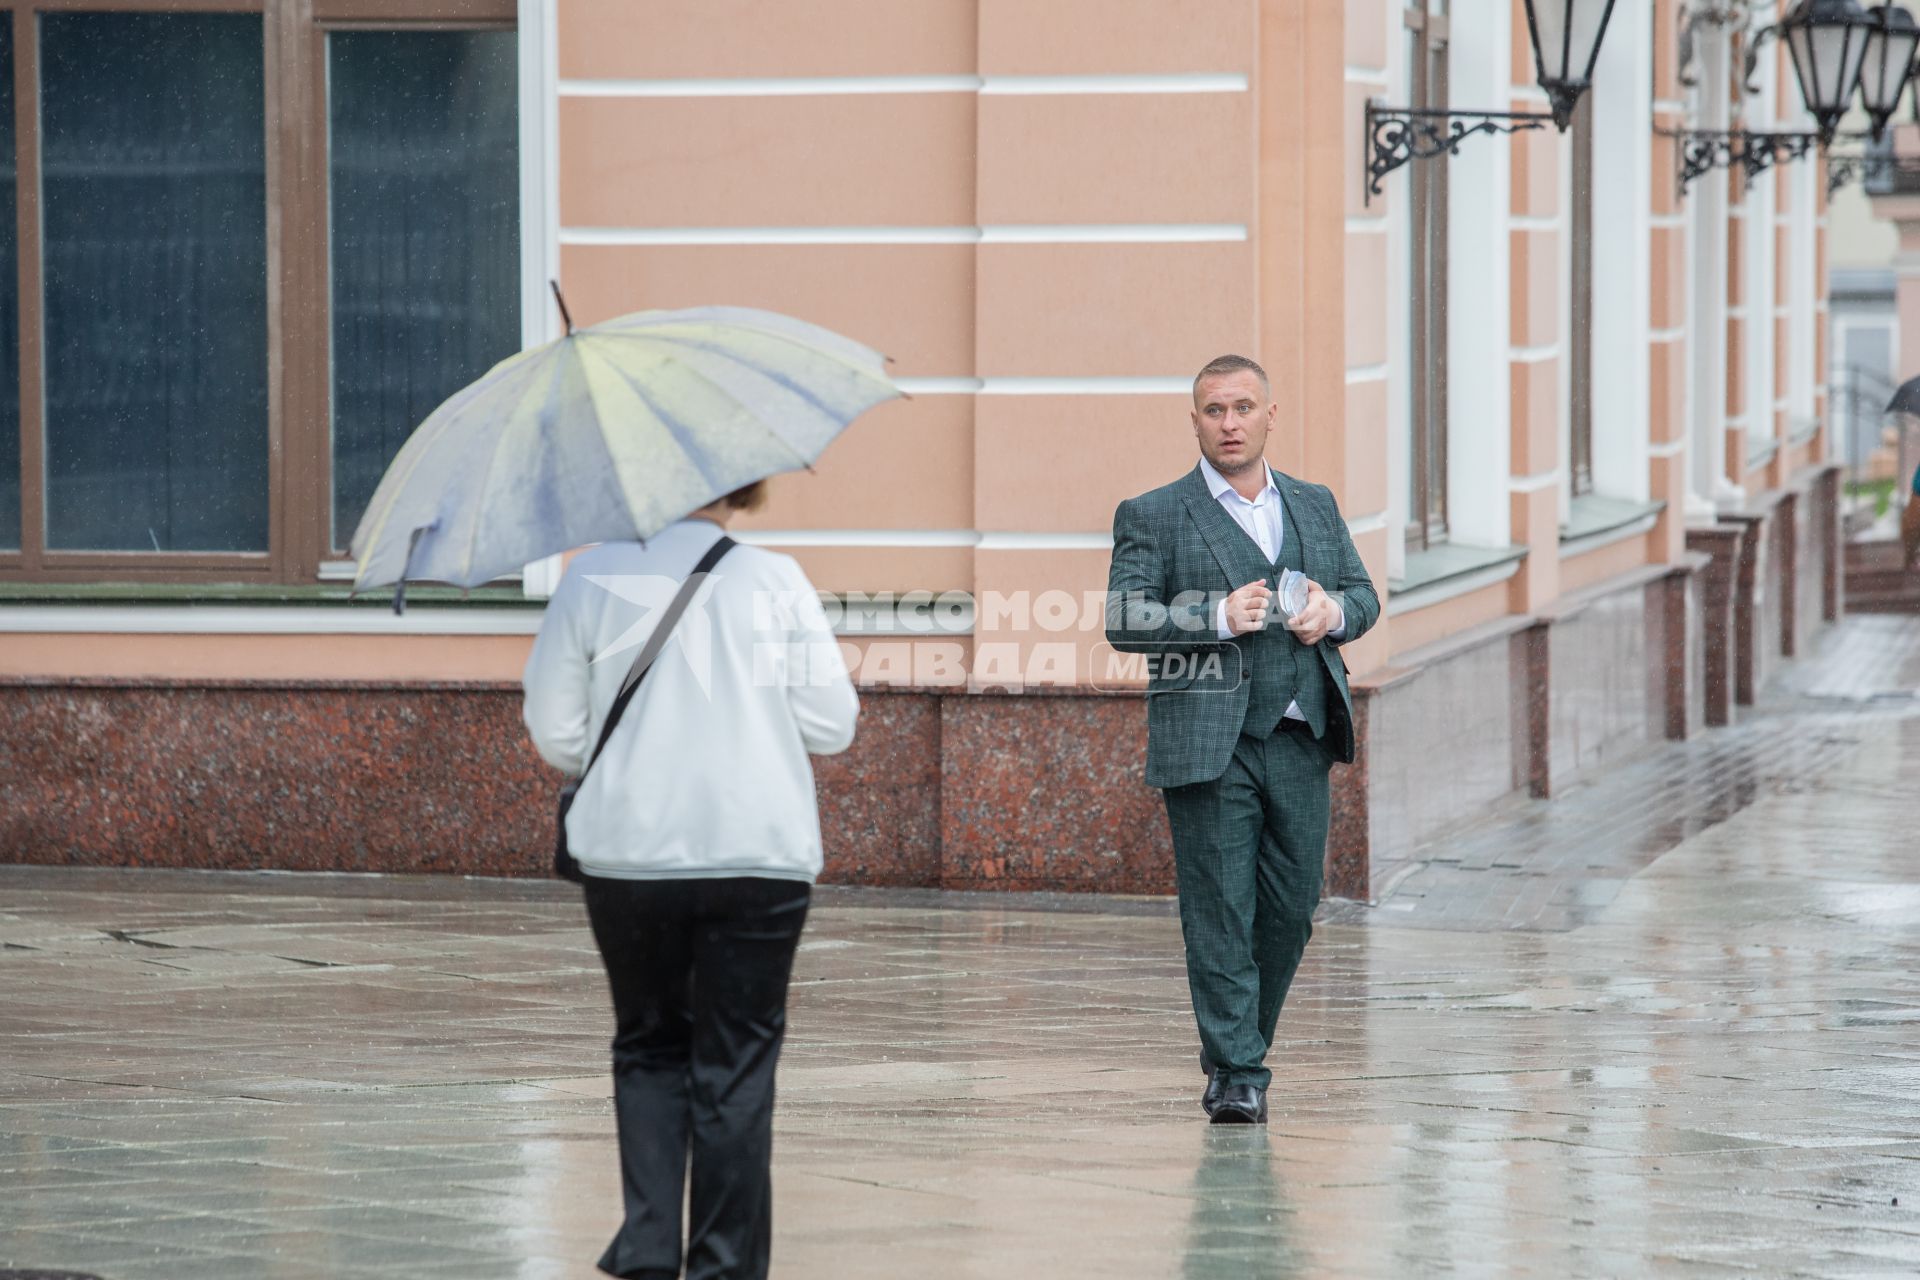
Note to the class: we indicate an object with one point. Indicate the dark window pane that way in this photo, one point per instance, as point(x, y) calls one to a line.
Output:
point(9, 307)
point(424, 160)
point(154, 187)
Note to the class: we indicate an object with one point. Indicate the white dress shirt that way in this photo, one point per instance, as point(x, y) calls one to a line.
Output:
point(1264, 522)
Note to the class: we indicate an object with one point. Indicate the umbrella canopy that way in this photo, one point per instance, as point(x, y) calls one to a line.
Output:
point(612, 432)
point(1906, 399)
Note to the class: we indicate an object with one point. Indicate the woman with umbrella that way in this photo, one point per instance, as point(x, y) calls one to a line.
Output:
point(699, 840)
point(688, 680)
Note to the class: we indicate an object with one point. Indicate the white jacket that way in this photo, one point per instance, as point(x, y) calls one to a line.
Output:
point(707, 772)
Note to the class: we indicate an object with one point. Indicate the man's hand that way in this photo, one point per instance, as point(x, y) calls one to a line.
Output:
point(1317, 617)
point(1247, 608)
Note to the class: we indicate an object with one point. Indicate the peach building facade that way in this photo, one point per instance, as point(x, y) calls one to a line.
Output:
point(1049, 215)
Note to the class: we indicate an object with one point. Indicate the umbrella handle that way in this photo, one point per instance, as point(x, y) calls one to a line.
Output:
point(413, 545)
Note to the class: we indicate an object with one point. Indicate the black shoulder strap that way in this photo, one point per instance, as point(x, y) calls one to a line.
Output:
point(643, 661)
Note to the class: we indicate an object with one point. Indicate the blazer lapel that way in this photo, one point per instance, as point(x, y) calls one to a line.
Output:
point(1238, 555)
point(1308, 520)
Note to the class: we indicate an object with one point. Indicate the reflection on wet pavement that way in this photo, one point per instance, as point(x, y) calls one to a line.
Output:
point(1714, 1070)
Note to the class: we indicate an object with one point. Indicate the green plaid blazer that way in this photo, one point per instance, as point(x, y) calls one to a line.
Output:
point(1176, 555)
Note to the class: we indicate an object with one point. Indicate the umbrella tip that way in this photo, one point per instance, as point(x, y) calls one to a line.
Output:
point(560, 298)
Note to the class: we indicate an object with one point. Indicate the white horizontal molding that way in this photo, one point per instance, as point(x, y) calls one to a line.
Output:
point(268, 620)
point(1366, 373)
point(1046, 386)
point(1189, 82)
point(1375, 523)
point(998, 540)
point(1036, 233)
point(1533, 483)
point(1533, 355)
point(1667, 449)
point(857, 537)
point(1002, 541)
point(817, 86)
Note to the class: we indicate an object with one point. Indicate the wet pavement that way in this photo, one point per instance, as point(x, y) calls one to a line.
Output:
point(1667, 1025)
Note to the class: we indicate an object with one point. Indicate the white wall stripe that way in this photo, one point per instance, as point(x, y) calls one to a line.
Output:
point(243, 620)
point(858, 537)
point(815, 86)
point(1190, 82)
point(1181, 386)
point(1375, 523)
point(1667, 335)
point(1367, 373)
point(1535, 483)
point(1368, 226)
point(1671, 449)
point(1061, 233)
point(1533, 355)
point(1046, 542)
point(998, 540)
point(1534, 222)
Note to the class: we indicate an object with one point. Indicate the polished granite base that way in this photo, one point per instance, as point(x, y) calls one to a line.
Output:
point(947, 789)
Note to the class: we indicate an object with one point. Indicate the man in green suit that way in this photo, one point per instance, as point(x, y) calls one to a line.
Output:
point(1247, 710)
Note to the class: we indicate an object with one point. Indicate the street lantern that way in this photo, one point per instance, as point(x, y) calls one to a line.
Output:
point(1888, 64)
point(1566, 44)
point(1828, 42)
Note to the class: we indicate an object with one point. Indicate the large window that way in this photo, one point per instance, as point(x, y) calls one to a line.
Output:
point(1426, 24)
point(423, 153)
point(154, 242)
point(259, 247)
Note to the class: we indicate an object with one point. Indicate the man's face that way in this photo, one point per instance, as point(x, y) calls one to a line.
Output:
point(1231, 418)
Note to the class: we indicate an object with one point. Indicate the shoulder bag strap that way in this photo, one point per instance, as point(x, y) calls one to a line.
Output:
point(643, 661)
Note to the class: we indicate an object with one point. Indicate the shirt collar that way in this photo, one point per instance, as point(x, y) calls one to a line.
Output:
point(1220, 486)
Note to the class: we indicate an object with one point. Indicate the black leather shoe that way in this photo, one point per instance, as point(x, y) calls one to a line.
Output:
point(1240, 1104)
point(1216, 1084)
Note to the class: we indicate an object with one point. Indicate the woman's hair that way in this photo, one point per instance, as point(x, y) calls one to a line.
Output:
point(748, 498)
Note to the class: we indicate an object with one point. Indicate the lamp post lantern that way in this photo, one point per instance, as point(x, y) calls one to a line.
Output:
point(1888, 64)
point(1566, 43)
point(1828, 42)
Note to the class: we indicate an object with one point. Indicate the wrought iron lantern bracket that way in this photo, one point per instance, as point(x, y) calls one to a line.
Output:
point(1865, 167)
point(1701, 151)
point(1399, 135)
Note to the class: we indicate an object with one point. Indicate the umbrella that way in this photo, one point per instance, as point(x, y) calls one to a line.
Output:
point(1906, 399)
point(612, 432)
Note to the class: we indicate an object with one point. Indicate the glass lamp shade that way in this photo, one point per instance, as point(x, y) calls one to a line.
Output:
point(1828, 42)
point(1566, 43)
point(1888, 63)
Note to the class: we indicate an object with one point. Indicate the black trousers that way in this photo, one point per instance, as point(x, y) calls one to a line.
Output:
point(698, 970)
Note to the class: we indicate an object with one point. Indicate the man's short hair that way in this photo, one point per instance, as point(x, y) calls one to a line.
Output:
point(1229, 364)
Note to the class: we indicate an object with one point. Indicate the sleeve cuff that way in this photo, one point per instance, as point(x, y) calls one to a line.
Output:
point(1220, 628)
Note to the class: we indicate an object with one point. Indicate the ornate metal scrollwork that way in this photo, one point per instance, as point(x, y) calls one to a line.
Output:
point(1399, 135)
point(1703, 150)
point(1866, 167)
point(1765, 150)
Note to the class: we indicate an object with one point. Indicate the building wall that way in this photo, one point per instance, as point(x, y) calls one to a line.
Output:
point(1049, 216)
